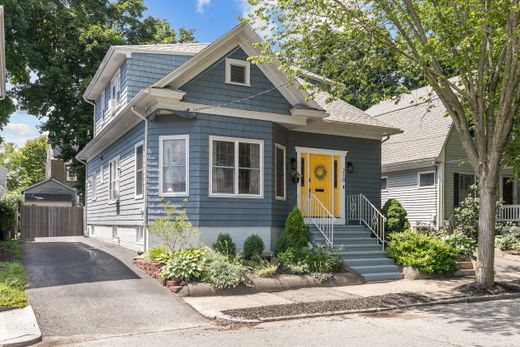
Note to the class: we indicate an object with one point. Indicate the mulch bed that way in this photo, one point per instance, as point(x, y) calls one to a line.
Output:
point(379, 301)
point(473, 289)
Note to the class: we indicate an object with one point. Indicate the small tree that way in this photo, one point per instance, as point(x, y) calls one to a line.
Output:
point(294, 234)
point(395, 214)
point(174, 230)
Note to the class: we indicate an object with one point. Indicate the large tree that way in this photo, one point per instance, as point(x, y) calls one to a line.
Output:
point(53, 48)
point(466, 50)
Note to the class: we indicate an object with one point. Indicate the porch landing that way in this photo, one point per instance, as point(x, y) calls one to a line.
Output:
point(360, 251)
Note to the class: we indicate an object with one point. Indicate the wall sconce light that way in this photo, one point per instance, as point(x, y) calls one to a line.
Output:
point(350, 167)
point(296, 176)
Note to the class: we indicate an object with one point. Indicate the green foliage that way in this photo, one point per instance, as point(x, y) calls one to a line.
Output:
point(508, 242)
point(464, 245)
point(157, 254)
point(225, 245)
point(223, 271)
point(294, 234)
point(395, 214)
point(187, 265)
point(25, 166)
point(54, 50)
point(265, 268)
point(10, 250)
point(12, 285)
point(253, 246)
point(174, 230)
point(8, 208)
point(304, 260)
point(424, 252)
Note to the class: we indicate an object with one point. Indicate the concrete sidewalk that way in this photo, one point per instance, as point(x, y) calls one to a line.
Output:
point(19, 328)
point(212, 306)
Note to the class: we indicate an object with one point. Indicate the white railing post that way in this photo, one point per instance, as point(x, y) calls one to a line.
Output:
point(320, 217)
point(368, 215)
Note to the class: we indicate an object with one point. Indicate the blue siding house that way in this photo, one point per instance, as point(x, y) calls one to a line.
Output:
point(232, 142)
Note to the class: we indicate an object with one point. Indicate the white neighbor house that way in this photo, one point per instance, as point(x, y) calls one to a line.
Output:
point(425, 167)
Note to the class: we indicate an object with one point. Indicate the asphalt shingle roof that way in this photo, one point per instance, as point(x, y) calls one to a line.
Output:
point(188, 48)
point(422, 117)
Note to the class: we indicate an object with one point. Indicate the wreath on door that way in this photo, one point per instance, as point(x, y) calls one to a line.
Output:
point(320, 171)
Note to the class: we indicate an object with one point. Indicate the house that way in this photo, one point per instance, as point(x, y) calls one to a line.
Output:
point(235, 144)
point(3, 180)
point(426, 167)
point(58, 187)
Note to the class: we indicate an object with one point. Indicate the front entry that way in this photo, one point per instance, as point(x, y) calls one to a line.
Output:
point(322, 179)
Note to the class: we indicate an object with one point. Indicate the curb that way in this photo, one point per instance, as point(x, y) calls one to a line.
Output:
point(23, 322)
point(456, 300)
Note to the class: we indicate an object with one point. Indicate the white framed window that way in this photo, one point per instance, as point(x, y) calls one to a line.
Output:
point(174, 165)
point(236, 167)
point(70, 176)
point(114, 177)
point(139, 170)
point(102, 106)
point(115, 92)
point(238, 72)
point(426, 179)
point(384, 183)
point(106, 102)
point(280, 163)
point(139, 234)
point(101, 174)
point(93, 187)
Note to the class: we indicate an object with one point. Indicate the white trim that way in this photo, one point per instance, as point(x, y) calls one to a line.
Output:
point(385, 178)
point(425, 173)
point(186, 138)
point(241, 63)
point(68, 176)
point(321, 151)
point(237, 141)
point(117, 166)
point(101, 174)
point(283, 148)
point(138, 196)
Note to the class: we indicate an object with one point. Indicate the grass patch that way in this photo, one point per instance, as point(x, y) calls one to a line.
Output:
point(12, 276)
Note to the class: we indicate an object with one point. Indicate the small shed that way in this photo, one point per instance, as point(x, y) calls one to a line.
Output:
point(50, 192)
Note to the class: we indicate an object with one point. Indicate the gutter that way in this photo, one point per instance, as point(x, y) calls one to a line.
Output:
point(145, 176)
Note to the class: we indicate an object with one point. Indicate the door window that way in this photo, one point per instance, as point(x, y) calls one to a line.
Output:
point(507, 190)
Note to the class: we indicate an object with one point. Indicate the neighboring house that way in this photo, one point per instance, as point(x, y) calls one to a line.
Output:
point(58, 187)
point(3, 180)
point(425, 167)
point(203, 127)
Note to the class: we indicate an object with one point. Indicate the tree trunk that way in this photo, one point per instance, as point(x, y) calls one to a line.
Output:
point(486, 235)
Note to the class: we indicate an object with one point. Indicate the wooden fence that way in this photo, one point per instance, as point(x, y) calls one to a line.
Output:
point(47, 221)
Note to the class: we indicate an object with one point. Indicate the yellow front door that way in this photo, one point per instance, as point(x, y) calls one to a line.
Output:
point(320, 179)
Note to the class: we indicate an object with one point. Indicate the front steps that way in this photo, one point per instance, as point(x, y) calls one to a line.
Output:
point(360, 251)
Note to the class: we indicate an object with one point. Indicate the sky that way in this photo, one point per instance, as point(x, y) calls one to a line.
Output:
point(209, 18)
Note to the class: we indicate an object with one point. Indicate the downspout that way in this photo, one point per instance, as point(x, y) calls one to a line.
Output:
point(85, 205)
point(145, 178)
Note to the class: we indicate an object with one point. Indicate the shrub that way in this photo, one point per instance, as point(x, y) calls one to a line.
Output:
point(294, 234)
point(264, 268)
point(225, 245)
point(253, 246)
point(187, 265)
point(424, 252)
point(155, 254)
point(304, 260)
point(395, 214)
point(507, 242)
point(464, 245)
point(223, 272)
point(174, 230)
point(8, 205)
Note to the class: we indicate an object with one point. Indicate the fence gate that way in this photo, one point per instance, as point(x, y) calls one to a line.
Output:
point(47, 221)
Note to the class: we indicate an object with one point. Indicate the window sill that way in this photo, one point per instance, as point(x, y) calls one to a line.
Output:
point(426, 187)
point(236, 196)
point(239, 84)
point(280, 198)
point(174, 195)
point(138, 197)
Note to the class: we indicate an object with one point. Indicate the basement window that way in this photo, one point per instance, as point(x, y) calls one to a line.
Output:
point(238, 72)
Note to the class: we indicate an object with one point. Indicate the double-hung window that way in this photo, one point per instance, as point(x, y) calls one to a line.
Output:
point(71, 176)
point(279, 172)
point(174, 165)
point(139, 170)
point(114, 180)
point(426, 179)
point(384, 183)
point(236, 167)
point(93, 187)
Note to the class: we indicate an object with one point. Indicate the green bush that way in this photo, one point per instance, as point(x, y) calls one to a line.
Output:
point(187, 265)
point(294, 234)
point(395, 214)
point(508, 242)
point(304, 260)
point(424, 252)
point(464, 245)
point(224, 272)
point(8, 205)
point(156, 254)
point(253, 246)
point(263, 267)
point(225, 245)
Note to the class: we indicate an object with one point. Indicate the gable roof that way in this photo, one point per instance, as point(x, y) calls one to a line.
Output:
point(421, 116)
point(72, 190)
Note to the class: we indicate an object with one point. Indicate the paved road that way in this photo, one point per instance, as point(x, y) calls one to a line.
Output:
point(79, 286)
point(480, 324)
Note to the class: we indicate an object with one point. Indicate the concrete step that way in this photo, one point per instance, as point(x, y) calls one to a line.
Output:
point(350, 234)
point(370, 269)
point(369, 262)
point(346, 240)
point(346, 255)
point(386, 276)
point(362, 247)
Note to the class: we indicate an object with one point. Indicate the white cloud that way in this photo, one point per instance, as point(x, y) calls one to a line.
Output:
point(20, 129)
point(201, 4)
point(259, 26)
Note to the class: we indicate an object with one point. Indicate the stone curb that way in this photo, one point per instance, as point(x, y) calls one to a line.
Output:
point(456, 300)
point(23, 323)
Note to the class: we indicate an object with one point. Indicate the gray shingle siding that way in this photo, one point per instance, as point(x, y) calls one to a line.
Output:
point(210, 88)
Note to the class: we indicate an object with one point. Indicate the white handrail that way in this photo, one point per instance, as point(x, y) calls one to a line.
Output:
point(359, 208)
point(320, 216)
point(509, 213)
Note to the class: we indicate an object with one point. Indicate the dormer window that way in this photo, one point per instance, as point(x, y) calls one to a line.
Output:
point(115, 92)
point(238, 72)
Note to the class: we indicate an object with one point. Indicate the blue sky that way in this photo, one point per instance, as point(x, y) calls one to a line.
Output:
point(209, 18)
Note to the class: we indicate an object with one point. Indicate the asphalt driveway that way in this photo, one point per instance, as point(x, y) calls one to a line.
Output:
point(83, 287)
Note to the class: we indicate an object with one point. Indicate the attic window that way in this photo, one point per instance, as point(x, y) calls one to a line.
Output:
point(238, 72)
